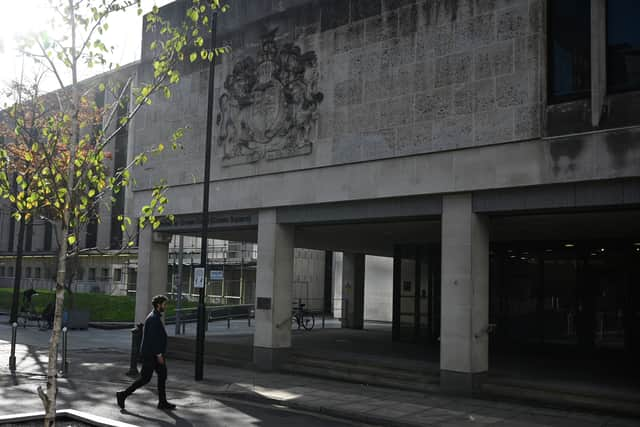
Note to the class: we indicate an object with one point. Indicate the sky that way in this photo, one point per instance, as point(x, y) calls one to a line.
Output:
point(20, 17)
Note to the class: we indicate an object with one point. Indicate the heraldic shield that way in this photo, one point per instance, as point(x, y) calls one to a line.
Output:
point(269, 105)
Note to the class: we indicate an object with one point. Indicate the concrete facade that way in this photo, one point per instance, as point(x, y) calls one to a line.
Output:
point(433, 129)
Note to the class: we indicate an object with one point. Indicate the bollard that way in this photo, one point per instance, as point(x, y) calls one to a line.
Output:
point(136, 339)
point(12, 357)
point(65, 365)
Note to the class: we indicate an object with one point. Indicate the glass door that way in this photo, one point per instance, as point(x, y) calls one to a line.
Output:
point(416, 293)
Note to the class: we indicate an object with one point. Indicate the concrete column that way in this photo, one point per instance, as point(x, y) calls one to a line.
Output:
point(153, 261)
point(274, 277)
point(464, 342)
point(353, 290)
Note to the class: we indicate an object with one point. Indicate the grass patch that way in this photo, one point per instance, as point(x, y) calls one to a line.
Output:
point(102, 308)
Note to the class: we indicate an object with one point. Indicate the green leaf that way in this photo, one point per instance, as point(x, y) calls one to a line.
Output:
point(71, 239)
point(193, 57)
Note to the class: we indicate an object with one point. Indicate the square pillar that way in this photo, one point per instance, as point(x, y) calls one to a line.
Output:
point(274, 277)
point(464, 341)
point(353, 290)
point(153, 264)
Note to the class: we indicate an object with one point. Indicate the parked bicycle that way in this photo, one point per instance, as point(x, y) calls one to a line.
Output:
point(28, 314)
point(303, 318)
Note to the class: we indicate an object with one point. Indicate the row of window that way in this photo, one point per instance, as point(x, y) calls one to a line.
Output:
point(570, 48)
point(36, 273)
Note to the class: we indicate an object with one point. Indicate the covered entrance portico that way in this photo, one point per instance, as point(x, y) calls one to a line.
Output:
point(456, 271)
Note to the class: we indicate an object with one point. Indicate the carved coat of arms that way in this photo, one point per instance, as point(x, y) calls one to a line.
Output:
point(269, 106)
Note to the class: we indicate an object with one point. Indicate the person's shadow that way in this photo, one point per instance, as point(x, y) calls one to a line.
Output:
point(179, 421)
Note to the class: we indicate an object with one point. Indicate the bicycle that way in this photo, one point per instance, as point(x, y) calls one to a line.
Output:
point(303, 318)
point(29, 314)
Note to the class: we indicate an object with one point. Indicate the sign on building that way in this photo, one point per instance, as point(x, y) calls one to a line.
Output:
point(216, 275)
point(198, 278)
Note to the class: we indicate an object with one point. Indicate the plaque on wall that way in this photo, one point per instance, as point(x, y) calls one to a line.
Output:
point(269, 107)
point(263, 303)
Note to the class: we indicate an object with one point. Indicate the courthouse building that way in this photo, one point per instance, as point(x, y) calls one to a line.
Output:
point(491, 148)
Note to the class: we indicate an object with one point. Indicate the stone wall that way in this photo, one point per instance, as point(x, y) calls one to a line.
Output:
point(397, 78)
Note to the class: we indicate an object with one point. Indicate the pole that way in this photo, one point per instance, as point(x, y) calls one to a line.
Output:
point(205, 203)
point(136, 339)
point(12, 357)
point(179, 302)
point(15, 301)
point(64, 351)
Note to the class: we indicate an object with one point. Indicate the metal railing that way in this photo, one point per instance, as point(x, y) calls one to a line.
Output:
point(231, 312)
point(216, 313)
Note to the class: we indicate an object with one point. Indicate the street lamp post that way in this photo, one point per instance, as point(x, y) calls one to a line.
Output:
point(205, 203)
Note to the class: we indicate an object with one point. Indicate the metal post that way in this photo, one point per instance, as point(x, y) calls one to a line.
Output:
point(136, 338)
point(205, 202)
point(249, 316)
point(12, 357)
point(228, 317)
point(179, 302)
point(65, 365)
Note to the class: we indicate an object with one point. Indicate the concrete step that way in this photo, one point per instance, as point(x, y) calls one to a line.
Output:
point(210, 359)
point(398, 378)
point(354, 377)
point(522, 391)
point(184, 348)
point(374, 368)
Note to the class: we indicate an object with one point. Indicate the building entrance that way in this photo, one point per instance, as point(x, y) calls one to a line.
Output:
point(566, 293)
point(416, 293)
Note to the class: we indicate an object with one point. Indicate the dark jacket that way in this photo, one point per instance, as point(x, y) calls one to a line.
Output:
point(154, 336)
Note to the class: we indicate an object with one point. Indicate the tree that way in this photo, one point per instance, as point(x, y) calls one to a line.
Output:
point(55, 166)
point(26, 113)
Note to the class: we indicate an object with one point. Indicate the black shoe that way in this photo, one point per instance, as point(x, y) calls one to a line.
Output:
point(120, 397)
point(166, 405)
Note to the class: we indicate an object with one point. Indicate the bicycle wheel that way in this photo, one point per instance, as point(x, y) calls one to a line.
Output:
point(308, 320)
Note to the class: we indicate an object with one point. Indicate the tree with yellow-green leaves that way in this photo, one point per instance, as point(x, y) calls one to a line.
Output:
point(54, 162)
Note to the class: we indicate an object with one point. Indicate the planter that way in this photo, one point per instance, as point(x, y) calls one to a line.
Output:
point(69, 417)
point(76, 319)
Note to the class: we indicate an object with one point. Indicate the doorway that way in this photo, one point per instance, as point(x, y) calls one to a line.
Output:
point(416, 293)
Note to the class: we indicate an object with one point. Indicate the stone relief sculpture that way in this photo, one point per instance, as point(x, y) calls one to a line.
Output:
point(270, 104)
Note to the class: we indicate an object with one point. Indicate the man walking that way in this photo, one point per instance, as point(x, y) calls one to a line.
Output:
point(152, 351)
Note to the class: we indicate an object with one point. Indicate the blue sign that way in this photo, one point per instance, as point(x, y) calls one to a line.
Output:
point(216, 275)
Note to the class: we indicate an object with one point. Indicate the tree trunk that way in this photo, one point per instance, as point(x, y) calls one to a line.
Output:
point(18, 274)
point(49, 400)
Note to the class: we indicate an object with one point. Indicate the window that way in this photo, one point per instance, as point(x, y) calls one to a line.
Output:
point(623, 45)
point(104, 274)
point(10, 271)
point(92, 233)
point(48, 234)
point(27, 273)
point(28, 237)
point(117, 275)
point(569, 50)
point(2, 270)
point(92, 274)
point(37, 272)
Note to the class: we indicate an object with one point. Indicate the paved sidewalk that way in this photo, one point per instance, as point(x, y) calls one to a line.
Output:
point(95, 375)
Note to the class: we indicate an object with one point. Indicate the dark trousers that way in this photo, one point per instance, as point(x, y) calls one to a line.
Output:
point(150, 364)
